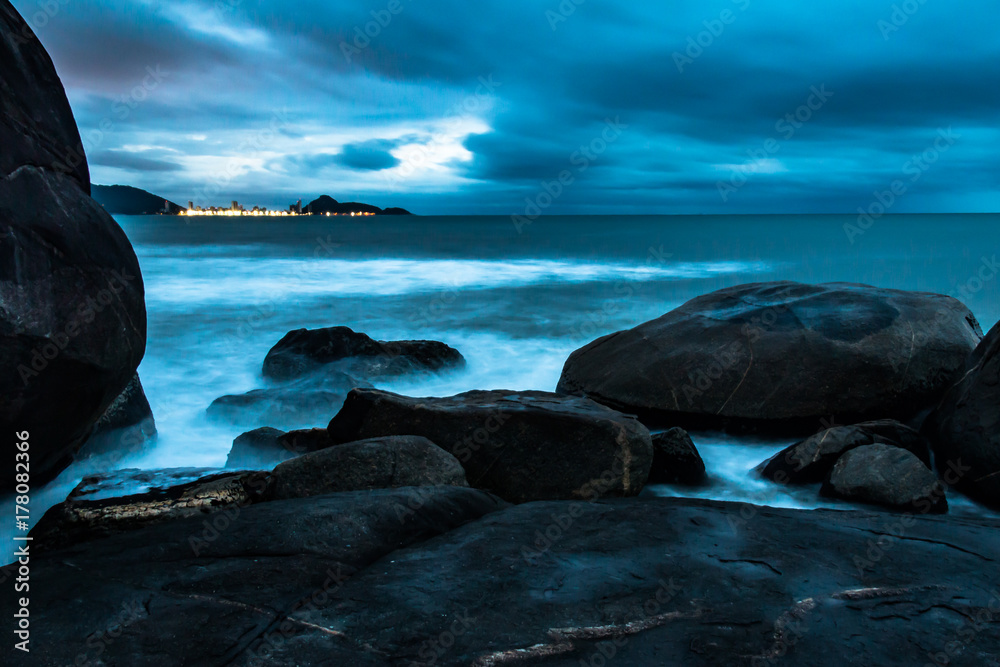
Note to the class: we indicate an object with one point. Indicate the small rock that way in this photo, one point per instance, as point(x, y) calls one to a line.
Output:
point(676, 459)
point(888, 476)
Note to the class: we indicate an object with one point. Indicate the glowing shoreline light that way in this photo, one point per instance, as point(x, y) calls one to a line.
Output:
point(238, 211)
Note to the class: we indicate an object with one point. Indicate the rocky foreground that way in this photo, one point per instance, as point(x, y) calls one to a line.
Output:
point(455, 576)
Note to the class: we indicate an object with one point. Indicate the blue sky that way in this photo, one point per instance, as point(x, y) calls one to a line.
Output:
point(579, 106)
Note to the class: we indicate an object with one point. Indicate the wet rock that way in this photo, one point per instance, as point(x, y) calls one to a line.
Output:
point(126, 500)
point(779, 357)
point(124, 428)
point(676, 460)
point(259, 449)
point(72, 314)
point(888, 476)
point(379, 463)
point(304, 351)
point(965, 427)
point(520, 445)
point(811, 460)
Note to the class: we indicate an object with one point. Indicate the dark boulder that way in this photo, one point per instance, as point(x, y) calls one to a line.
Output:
point(126, 500)
point(259, 449)
point(888, 476)
point(779, 357)
point(520, 445)
point(676, 459)
point(379, 463)
point(124, 428)
point(305, 402)
point(72, 312)
point(965, 427)
point(304, 351)
point(811, 460)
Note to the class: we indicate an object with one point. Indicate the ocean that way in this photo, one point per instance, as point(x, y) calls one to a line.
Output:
point(514, 300)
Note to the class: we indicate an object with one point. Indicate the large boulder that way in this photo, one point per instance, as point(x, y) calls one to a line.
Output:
point(126, 500)
point(811, 460)
point(304, 351)
point(522, 446)
point(888, 476)
point(72, 314)
point(965, 427)
point(676, 460)
point(379, 463)
point(779, 357)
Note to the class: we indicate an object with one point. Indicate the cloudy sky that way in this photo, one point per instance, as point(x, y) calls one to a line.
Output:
point(708, 106)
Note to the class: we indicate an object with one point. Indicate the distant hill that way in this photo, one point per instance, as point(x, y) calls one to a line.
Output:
point(327, 204)
point(126, 200)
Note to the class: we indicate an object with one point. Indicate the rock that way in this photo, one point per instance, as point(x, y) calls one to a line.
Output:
point(965, 427)
point(520, 445)
point(811, 460)
point(72, 314)
point(676, 459)
point(346, 579)
point(259, 449)
point(126, 500)
point(266, 447)
point(779, 357)
point(304, 351)
point(889, 476)
point(291, 407)
point(124, 428)
point(379, 463)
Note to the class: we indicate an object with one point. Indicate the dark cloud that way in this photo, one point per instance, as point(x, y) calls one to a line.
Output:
point(276, 99)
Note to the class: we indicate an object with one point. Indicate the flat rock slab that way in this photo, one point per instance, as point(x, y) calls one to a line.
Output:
point(520, 445)
point(779, 357)
point(342, 580)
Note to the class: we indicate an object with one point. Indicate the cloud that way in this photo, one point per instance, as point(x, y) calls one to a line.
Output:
point(374, 155)
point(132, 161)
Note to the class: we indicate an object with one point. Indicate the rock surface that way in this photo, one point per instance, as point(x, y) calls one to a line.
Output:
point(811, 460)
point(346, 580)
point(965, 428)
point(124, 428)
point(779, 357)
point(304, 351)
point(305, 402)
point(889, 476)
point(72, 314)
point(676, 460)
point(379, 463)
point(125, 500)
point(259, 449)
point(522, 446)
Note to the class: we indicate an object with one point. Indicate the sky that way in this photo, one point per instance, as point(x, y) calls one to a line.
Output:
point(536, 107)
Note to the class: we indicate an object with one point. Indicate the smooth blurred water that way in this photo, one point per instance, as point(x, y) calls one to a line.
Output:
point(220, 292)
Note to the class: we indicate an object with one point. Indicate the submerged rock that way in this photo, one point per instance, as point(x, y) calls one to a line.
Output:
point(379, 463)
point(779, 357)
point(308, 401)
point(72, 315)
point(811, 460)
point(965, 427)
point(259, 449)
point(676, 459)
point(304, 351)
point(520, 445)
point(888, 476)
point(125, 500)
